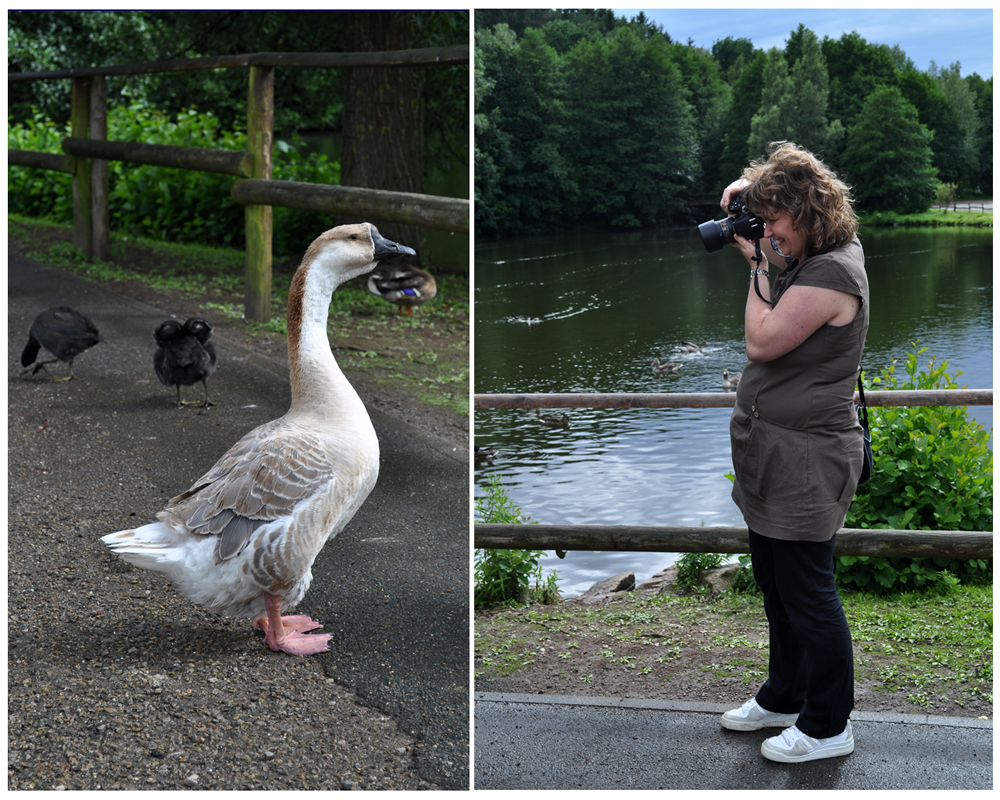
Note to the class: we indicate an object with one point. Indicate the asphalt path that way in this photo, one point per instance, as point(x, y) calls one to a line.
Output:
point(557, 742)
point(105, 451)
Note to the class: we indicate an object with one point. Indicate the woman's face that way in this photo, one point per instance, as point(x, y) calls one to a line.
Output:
point(790, 242)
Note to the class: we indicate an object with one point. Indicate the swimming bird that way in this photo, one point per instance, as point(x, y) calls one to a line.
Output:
point(405, 286)
point(65, 333)
point(553, 421)
point(691, 347)
point(242, 540)
point(730, 381)
point(665, 369)
point(185, 356)
point(527, 320)
point(484, 453)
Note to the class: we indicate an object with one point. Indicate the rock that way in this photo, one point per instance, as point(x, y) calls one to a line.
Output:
point(602, 590)
point(720, 578)
point(660, 582)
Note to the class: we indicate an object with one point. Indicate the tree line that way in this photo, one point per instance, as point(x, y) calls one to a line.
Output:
point(583, 118)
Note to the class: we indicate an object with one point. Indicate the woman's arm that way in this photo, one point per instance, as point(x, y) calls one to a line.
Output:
point(803, 310)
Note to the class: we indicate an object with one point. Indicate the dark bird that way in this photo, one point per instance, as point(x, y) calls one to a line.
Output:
point(553, 421)
point(484, 453)
point(405, 286)
point(65, 333)
point(184, 356)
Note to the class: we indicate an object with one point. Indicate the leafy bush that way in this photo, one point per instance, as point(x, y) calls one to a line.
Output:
point(689, 568)
point(161, 202)
point(504, 577)
point(933, 471)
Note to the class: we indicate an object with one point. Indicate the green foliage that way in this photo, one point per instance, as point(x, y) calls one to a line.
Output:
point(690, 566)
point(587, 119)
point(504, 577)
point(744, 582)
point(889, 141)
point(933, 471)
point(163, 203)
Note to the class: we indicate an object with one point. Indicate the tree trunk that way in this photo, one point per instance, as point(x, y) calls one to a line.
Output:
point(383, 118)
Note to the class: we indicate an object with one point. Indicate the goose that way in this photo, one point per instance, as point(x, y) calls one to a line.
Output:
point(65, 333)
point(665, 369)
point(730, 381)
point(242, 540)
point(691, 347)
point(184, 356)
point(405, 286)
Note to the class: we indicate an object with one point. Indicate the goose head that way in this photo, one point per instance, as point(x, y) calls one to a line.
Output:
point(347, 251)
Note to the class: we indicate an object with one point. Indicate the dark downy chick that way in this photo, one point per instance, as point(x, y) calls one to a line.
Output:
point(184, 356)
point(65, 333)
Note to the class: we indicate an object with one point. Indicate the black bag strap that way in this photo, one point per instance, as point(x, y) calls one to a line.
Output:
point(861, 392)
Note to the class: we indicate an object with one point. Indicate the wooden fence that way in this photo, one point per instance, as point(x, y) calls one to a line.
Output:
point(730, 540)
point(88, 152)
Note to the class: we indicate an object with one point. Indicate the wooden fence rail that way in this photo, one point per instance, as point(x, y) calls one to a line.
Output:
point(911, 397)
point(88, 154)
point(670, 539)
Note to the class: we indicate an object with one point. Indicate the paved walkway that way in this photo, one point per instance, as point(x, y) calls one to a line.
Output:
point(95, 454)
point(558, 742)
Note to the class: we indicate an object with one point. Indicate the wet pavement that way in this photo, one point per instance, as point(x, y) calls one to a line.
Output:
point(559, 742)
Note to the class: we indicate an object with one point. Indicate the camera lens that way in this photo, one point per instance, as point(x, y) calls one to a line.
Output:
point(716, 234)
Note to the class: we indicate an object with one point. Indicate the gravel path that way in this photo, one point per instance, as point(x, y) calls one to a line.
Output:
point(116, 681)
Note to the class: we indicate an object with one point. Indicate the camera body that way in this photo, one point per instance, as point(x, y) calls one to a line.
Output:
point(715, 234)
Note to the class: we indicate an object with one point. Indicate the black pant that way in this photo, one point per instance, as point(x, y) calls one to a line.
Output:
point(811, 666)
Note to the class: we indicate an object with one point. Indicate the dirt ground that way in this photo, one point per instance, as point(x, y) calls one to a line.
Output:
point(695, 650)
point(403, 366)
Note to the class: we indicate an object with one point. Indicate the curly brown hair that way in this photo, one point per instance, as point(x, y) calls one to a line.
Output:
point(794, 181)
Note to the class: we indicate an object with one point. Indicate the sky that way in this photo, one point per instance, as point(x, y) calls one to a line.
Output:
point(943, 36)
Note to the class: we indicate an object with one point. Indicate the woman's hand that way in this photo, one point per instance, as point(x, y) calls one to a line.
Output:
point(732, 189)
point(749, 250)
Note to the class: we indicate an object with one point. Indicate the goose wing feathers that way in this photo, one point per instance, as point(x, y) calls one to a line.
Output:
point(268, 475)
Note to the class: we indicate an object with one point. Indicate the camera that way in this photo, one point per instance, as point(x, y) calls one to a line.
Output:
point(717, 233)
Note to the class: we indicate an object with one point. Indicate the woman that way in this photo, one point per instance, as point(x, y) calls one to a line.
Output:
point(796, 443)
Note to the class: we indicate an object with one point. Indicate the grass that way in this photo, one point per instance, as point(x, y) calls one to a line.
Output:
point(933, 650)
point(931, 217)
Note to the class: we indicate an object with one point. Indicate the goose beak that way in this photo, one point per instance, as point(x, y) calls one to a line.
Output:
point(386, 249)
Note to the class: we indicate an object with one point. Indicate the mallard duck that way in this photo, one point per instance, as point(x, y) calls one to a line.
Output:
point(65, 333)
point(665, 369)
point(184, 356)
point(484, 453)
point(691, 347)
point(405, 286)
point(553, 421)
point(242, 540)
point(730, 381)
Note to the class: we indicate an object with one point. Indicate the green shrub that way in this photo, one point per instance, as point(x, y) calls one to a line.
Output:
point(689, 568)
point(933, 471)
point(161, 202)
point(504, 577)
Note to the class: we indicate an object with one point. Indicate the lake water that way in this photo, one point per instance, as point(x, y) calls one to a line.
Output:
point(608, 303)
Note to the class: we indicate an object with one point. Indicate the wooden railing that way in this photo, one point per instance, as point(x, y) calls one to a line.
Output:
point(730, 540)
point(88, 152)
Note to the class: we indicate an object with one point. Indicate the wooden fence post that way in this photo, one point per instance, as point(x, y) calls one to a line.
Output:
point(83, 234)
point(100, 209)
point(259, 221)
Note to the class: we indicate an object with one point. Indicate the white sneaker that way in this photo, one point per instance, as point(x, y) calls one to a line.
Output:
point(792, 746)
point(751, 717)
